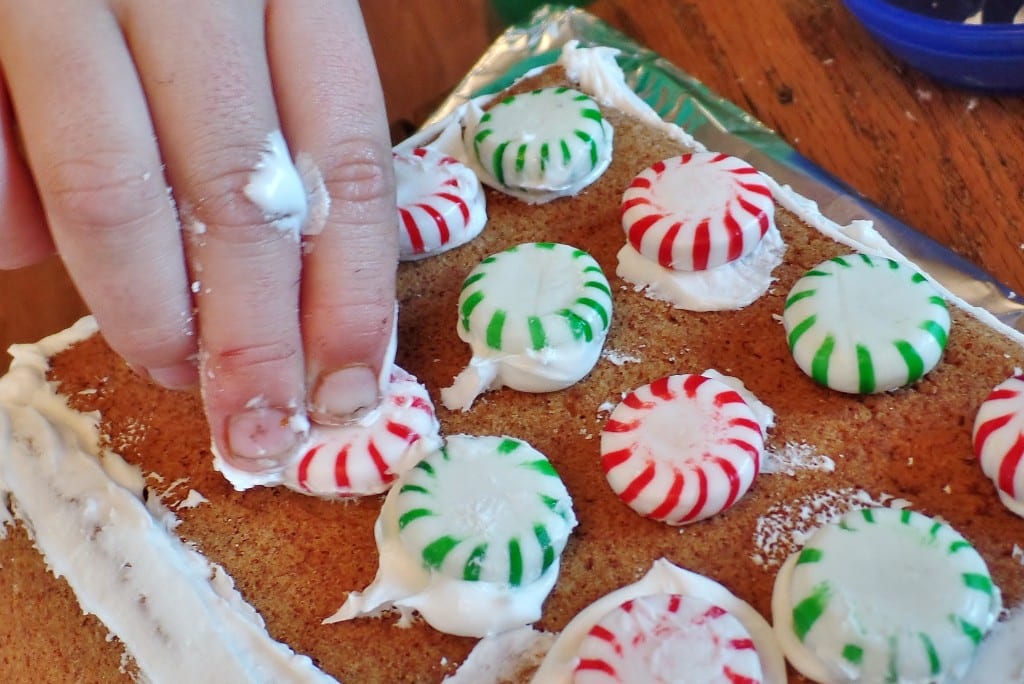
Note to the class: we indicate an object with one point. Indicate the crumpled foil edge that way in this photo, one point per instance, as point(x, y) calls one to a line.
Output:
point(722, 126)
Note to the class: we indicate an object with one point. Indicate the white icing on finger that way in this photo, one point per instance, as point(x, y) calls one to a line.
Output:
point(276, 187)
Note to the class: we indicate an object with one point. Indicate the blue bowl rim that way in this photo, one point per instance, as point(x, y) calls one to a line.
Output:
point(892, 17)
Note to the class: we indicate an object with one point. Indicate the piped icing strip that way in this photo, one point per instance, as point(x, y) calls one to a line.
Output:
point(863, 324)
point(471, 538)
point(668, 638)
point(365, 457)
point(884, 595)
point(682, 448)
point(535, 316)
point(998, 438)
point(697, 211)
point(549, 140)
point(441, 204)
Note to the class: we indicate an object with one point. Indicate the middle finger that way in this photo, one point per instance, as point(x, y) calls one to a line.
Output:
point(242, 205)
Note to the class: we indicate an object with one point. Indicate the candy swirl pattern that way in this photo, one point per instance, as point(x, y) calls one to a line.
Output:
point(668, 638)
point(485, 509)
point(547, 140)
point(569, 301)
point(998, 438)
point(863, 324)
point(884, 595)
point(440, 203)
point(697, 211)
point(365, 457)
point(682, 448)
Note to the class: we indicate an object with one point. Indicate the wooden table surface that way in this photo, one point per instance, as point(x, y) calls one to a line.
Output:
point(947, 162)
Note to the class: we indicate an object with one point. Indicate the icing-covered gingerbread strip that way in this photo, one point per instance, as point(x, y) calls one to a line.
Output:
point(864, 324)
point(440, 203)
point(682, 448)
point(365, 457)
point(540, 145)
point(535, 316)
point(884, 595)
point(697, 211)
point(998, 438)
point(668, 638)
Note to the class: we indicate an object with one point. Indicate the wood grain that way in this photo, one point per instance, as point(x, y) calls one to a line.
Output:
point(947, 162)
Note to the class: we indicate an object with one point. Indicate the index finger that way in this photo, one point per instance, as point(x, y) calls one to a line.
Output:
point(332, 111)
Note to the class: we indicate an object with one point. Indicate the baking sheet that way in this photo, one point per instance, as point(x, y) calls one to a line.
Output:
point(723, 127)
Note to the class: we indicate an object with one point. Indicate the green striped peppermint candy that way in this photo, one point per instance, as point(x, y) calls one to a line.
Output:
point(863, 324)
point(885, 595)
point(542, 307)
point(551, 140)
point(485, 509)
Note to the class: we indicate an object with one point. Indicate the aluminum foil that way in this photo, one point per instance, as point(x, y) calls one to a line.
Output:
point(722, 126)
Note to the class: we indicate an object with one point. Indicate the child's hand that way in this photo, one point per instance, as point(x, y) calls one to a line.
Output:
point(158, 144)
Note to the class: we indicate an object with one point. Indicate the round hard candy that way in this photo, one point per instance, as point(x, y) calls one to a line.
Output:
point(535, 316)
point(862, 324)
point(884, 595)
point(366, 456)
point(440, 203)
point(541, 144)
point(697, 211)
point(668, 638)
point(682, 448)
point(998, 438)
point(485, 509)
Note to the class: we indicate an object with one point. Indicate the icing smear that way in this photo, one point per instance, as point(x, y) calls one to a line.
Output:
point(276, 187)
point(178, 615)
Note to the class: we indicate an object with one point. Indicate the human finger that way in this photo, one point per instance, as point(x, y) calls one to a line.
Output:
point(241, 204)
point(90, 144)
point(23, 232)
point(333, 113)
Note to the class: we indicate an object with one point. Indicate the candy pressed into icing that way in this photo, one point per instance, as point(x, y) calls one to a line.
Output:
point(682, 448)
point(441, 204)
point(700, 232)
point(365, 457)
point(667, 638)
point(540, 145)
point(470, 538)
point(656, 589)
point(884, 595)
point(998, 438)
point(697, 211)
point(535, 316)
point(862, 324)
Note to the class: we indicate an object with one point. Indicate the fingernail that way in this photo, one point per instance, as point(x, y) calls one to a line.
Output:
point(261, 438)
point(340, 395)
point(180, 376)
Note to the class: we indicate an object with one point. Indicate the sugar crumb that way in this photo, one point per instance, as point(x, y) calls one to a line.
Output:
point(792, 456)
point(784, 528)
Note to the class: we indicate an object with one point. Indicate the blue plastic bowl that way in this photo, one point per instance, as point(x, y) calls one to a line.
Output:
point(986, 57)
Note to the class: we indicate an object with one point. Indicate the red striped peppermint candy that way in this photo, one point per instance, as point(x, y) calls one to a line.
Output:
point(682, 448)
point(999, 441)
point(665, 638)
point(697, 211)
point(367, 456)
point(440, 203)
